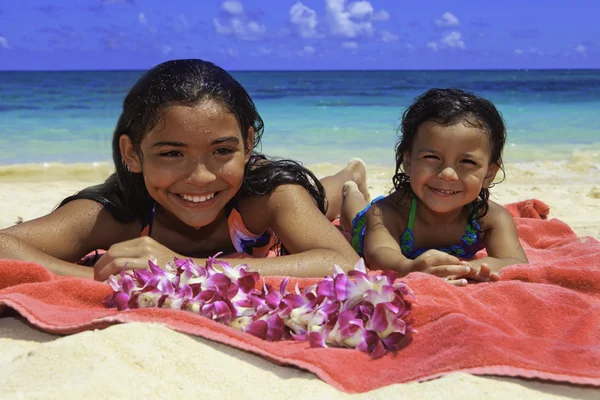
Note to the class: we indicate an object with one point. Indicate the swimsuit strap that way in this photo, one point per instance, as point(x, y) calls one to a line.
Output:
point(147, 229)
point(413, 213)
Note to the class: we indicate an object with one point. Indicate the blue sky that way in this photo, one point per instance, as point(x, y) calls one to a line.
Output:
point(307, 34)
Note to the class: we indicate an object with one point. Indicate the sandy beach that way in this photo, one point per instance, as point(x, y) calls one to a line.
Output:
point(151, 361)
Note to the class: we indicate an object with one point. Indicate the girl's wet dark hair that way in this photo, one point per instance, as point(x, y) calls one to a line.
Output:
point(448, 107)
point(189, 82)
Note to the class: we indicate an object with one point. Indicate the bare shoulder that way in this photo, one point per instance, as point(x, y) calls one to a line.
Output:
point(73, 230)
point(392, 212)
point(258, 211)
point(496, 217)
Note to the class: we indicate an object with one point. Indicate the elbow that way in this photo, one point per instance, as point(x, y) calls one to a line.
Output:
point(8, 244)
point(345, 260)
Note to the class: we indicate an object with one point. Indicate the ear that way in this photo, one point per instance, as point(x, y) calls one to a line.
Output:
point(406, 162)
point(491, 175)
point(249, 145)
point(129, 155)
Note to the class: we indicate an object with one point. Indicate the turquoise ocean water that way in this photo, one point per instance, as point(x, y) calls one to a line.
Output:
point(313, 116)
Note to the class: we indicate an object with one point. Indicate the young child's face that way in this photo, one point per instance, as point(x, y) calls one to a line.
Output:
point(449, 165)
point(193, 161)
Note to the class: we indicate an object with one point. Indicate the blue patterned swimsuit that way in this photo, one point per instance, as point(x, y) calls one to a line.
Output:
point(470, 244)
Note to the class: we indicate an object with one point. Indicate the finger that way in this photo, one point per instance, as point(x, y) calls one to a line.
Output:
point(484, 270)
point(495, 277)
point(102, 273)
point(457, 282)
point(436, 257)
point(449, 270)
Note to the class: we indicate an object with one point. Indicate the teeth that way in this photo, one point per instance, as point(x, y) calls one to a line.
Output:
point(197, 199)
point(446, 191)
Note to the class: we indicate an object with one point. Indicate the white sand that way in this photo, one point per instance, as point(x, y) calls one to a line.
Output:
point(150, 361)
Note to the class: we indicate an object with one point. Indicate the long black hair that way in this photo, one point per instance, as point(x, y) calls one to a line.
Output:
point(448, 107)
point(189, 82)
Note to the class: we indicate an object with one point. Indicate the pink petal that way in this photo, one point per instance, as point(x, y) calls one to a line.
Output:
point(218, 281)
point(379, 319)
point(114, 283)
point(128, 284)
point(283, 286)
point(246, 283)
point(259, 329)
point(316, 339)
point(121, 301)
point(142, 276)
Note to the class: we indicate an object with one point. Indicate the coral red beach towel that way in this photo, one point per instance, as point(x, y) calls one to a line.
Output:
point(541, 320)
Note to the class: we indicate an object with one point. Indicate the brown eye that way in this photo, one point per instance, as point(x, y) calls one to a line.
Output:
point(222, 151)
point(171, 154)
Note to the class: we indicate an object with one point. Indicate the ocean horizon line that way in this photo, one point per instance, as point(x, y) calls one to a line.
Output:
point(319, 70)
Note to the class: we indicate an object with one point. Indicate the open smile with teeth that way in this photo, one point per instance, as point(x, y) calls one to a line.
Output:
point(446, 191)
point(197, 198)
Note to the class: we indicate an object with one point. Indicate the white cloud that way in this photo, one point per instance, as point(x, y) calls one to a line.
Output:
point(433, 46)
point(181, 24)
point(343, 23)
point(581, 49)
point(448, 19)
point(142, 19)
point(165, 49)
point(116, 1)
point(535, 50)
point(265, 50)
point(305, 18)
point(307, 51)
point(350, 45)
point(453, 40)
point(230, 52)
point(4, 43)
point(233, 7)
point(380, 15)
point(518, 52)
point(387, 36)
point(238, 24)
point(360, 9)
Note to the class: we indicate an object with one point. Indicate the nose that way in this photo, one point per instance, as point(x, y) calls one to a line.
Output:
point(448, 174)
point(200, 174)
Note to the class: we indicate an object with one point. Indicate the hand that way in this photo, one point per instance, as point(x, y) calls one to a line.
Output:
point(484, 274)
point(132, 254)
point(440, 264)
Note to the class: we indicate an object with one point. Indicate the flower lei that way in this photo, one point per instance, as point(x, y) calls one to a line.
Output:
point(367, 313)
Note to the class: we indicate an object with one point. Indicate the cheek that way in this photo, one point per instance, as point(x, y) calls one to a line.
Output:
point(233, 172)
point(158, 176)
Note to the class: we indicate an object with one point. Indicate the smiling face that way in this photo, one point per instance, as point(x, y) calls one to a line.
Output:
point(449, 165)
point(192, 161)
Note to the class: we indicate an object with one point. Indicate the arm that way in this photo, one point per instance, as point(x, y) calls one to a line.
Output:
point(62, 237)
point(501, 241)
point(382, 250)
point(314, 243)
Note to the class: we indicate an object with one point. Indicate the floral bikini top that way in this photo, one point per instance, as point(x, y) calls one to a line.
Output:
point(243, 240)
point(470, 242)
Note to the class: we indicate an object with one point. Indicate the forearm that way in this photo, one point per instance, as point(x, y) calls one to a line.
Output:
point(308, 264)
point(12, 248)
point(495, 264)
point(385, 258)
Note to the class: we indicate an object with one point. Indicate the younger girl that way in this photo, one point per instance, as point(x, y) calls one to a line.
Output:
point(189, 183)
point(439, 213)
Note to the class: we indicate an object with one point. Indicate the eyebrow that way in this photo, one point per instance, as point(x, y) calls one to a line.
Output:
point(468, 155)
point(164, 143)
